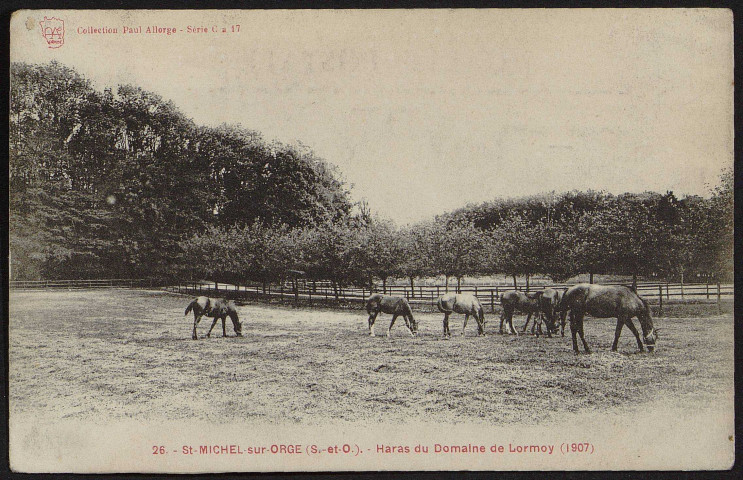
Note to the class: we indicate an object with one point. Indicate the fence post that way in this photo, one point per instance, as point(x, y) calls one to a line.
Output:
point(660, 297)
point(437, 291)
point(668, 295)
point(475, 290)
point(492, 301)
point(707, 289)
point(718, 299)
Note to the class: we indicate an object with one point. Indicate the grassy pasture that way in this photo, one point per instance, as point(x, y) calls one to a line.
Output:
point(117, 354)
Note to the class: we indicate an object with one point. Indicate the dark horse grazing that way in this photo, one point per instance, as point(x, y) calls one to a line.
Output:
point(462, 303)
point(608, 301)
point(514, 300)
point(549, 300)
point(216, 308)
point(387, 304)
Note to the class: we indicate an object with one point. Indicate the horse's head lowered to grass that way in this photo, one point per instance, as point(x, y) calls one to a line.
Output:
point(606, 301)
point(649, 333)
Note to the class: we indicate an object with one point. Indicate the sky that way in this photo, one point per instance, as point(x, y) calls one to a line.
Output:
point(426, 111)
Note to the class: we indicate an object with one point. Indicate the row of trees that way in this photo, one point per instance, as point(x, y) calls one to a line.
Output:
point(108, 183)
point(637, 235)
point(121, 184)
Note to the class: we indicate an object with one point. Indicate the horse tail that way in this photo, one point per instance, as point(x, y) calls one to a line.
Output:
point(440, 305)
point(369, 302)
point(190, 307)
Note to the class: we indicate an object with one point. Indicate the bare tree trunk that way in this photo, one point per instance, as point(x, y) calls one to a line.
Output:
point(335, 288)
point(412, 285)
point(459, 284)
point(590, 277)
point(384, 285)
point(447, 284)
point(682, 284)
point(634, 281)
point(515, 285)
point(527, 282)
point(264, 287)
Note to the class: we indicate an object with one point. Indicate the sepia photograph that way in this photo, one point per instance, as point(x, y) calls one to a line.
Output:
point(371, 240)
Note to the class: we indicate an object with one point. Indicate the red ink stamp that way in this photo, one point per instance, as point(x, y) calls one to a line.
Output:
point(52, 29)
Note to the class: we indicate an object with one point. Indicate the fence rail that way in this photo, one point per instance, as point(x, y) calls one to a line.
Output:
point(489, 295)
point(656, 292)
point(76, 284)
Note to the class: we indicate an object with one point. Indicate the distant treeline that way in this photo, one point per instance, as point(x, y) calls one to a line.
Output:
point(123, 185)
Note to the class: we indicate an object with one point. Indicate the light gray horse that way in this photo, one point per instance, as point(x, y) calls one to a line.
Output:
point(216, 308)
point(465, 303)
point(608, 301)
point(388, 304)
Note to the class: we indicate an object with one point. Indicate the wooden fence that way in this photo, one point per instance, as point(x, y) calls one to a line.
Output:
point(658, 293)
point(78, 284)
point(489, 295)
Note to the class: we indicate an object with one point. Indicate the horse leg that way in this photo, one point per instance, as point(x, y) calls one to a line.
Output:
point(536, 327)
point(528, 317)
point(394, 317)
point(631, 326)
point(510, 325)
point(580, 332)
point(446, 325)
point(617, 332)
point(372, 318)
point(574, 332)
point(216, 319)
point(563, 316)
point(480, 325)
point(502, 317)
point(466, 318)
point(196, 320)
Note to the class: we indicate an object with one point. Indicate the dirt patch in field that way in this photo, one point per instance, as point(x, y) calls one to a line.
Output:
point(98, 355)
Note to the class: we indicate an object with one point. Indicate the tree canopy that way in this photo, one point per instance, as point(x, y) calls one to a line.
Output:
point(120, 183)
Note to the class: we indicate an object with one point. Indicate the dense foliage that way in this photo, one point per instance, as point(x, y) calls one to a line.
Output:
point(123, 185)
point(107, 184)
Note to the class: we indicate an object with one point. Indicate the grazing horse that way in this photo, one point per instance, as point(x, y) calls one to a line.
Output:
point(514, 300)
point(465, 303)
point(388, 304)
point(608, 301)
point(216, 308)
point(549, 300)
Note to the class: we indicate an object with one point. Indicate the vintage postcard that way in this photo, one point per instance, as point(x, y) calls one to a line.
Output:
point(364, 240)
